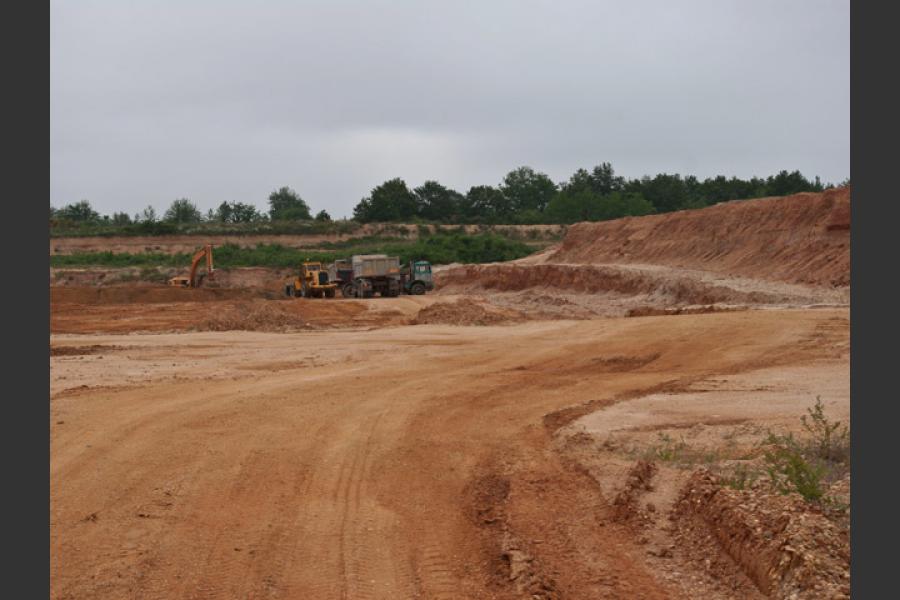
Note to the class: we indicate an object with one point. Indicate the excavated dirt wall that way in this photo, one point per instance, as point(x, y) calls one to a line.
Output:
point(786, 548)
point(142, 294)
point(586, 279)
point(803, 238)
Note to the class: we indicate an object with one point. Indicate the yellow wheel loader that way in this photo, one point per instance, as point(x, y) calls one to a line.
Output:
point(311, 282)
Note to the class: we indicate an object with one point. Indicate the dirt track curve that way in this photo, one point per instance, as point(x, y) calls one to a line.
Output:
point(407, 462)
point(507, 436)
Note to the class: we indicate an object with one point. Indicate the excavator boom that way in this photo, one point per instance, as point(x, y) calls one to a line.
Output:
point(191, 280)
point(195, 263)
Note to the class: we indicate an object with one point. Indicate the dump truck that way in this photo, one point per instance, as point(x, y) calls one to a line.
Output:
point(193, 280)
point(341, 272)
point(310, 282)
point(376, 274)
point(382, 274)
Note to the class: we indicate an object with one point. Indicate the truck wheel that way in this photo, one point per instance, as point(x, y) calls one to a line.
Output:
point(417, 289)
point(288, 290)
point(347, 291)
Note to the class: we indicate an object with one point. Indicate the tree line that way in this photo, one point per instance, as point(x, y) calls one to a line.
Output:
point(524, 196)
point(284, 205)
point(527, 196)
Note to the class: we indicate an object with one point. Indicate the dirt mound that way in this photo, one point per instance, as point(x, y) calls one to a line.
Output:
point(466, 311)
point(122, 309)
point(142, 294)
point(650, 311)
point(256, 316)
point(783, 544)
point(262, 278)
point(81, 350)
point(803, 238)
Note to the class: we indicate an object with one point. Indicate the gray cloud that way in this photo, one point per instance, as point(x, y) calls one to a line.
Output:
point(219, 100)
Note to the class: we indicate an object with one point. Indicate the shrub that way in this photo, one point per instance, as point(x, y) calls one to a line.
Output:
point(789, 471)
point(828, 440)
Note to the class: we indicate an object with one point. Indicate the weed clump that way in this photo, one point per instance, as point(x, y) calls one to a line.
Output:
point(806, 465)
point(790, 470)
point(828, 440)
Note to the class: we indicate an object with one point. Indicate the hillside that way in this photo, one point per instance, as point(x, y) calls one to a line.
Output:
point(804, 238)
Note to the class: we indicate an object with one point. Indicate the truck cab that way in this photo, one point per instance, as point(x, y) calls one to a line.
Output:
point(418, 278)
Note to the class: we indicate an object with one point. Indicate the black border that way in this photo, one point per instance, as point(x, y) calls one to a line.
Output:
point(26, 296)
point(873, 264)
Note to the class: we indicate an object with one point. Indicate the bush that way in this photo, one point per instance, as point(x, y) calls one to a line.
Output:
point(789, 471)
point(828, 440)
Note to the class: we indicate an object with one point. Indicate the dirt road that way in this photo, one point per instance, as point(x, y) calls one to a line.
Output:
point(405, 462)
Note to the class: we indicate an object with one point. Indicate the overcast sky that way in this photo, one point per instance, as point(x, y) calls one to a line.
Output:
point(222, 100)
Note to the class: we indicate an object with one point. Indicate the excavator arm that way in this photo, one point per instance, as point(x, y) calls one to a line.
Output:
point(206, 252)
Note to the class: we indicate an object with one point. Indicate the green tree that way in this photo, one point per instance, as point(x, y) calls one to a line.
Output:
point(483, 202)
point(244, 213)
point(785, 183)
point(584, 205)
point(81, 212)
point(622, 204)
point(527, 189)
point(390, 201)
point(286, 205)
point(323, 216)
point(237, 212)
point(148, 215)
point(575, 203)
point(665, 192)
point(223, 213)
point(580, 181)
point(438, 203)
point(183, 211)
point(604, 180)
point(121, 218)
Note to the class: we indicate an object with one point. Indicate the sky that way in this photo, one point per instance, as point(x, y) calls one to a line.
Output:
point(219, 100)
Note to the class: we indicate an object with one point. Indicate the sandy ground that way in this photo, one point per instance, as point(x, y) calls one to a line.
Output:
point(404, 461)
point(508, 436)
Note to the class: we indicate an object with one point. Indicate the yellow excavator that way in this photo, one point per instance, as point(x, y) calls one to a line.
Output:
point(310, 282)
point(192, 280)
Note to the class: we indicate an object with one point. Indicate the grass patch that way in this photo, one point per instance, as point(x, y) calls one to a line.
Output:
point(440, 248)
